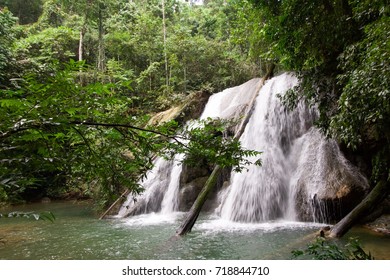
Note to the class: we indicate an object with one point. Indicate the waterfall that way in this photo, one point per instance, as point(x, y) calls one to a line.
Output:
point(162, 182)
point(323, 178)
point(155, 185)
point(264, 193)
point(304, 176)
point(170, 202)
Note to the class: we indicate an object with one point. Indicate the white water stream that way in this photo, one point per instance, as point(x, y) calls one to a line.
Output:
point(264, 193)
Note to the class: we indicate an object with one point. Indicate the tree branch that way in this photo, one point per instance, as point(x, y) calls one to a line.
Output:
point(116, 125)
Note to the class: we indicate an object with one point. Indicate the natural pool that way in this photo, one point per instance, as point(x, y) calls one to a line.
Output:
point(78, 234)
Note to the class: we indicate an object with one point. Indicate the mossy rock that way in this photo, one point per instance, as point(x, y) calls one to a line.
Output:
point(191, 108)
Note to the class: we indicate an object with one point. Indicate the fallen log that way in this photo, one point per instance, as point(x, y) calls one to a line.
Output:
point(367, 205)
point(193, 214)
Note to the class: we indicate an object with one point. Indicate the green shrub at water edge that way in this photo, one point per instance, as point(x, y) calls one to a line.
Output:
point(324, 249)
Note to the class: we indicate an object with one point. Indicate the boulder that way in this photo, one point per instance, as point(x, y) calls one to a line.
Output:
point(190, 173)
point(327, 185)
point(189, 192)
point(327, 207)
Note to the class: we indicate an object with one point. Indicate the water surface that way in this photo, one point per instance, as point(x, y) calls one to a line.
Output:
point(78, 234)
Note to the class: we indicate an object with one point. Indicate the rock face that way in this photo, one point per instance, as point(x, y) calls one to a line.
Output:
point(327, 185)
point(192, 180)
point(327, 208)
point(191, 108)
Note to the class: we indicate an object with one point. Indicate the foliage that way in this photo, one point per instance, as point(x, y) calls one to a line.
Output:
point(45, 50)
point(364, 105)
point(199, 53)
point(323, 249)
point(26, 11)
point(206, 142)
point(307, 34)
point(340, 50)
point(45, 216)
point(248, 33)
point(7, 22)
point(46, 143)
point(56, 133)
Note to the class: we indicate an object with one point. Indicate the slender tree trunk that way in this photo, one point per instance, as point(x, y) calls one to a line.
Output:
point(367, 205)
point(81, 42)
point(126, 192)
point(101, 63)
point(212, 180)
point(81, 45)
point(150, 75)
point(81, 38)
point(185, 78)
point(165, 44)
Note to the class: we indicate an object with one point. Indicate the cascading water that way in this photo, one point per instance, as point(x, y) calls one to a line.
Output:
point(163, 181)
point(301, 170)
point(325, 182)
point(264, 193)
point(155, 186)
point(170, 202)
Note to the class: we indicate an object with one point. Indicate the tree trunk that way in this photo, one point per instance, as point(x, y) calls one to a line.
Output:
point(193, 214)
point(185, 79)
point(165, 44)
point(363, 208)
point(81, 47)
point(101, 63)
point(81, 44)
point(126, 192)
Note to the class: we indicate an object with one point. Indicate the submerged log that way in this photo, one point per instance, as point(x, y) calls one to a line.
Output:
point(193, 214)
point(367, 205)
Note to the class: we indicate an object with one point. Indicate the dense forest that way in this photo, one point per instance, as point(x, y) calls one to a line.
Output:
point(80, 80)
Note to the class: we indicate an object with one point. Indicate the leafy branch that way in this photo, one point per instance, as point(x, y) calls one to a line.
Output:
point(45, 216)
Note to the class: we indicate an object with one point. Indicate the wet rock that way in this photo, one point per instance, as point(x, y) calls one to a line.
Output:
point(190, 173)
point(328, 207)
point(189, 192)
point(146, 204)
point(327, 185)
point(190, 109)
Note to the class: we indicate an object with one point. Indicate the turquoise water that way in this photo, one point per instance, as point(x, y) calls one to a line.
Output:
point(78, 234)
